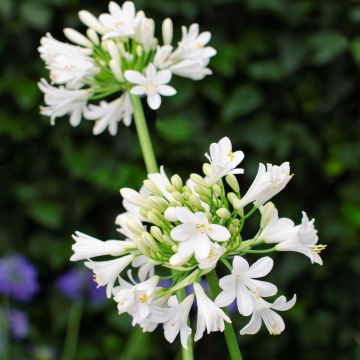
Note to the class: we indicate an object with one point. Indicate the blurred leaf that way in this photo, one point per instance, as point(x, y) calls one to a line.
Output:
point(269, 70)
point(175, 129)
point(47, 213)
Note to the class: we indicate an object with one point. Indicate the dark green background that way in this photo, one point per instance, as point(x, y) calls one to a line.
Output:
point(285, 88)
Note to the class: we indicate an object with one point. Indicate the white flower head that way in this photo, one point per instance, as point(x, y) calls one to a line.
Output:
point(109, 114)
point(86, 247)
point(223, 160)
point(305, 242)
point(106, 272)
point(61, 101)
point(121, 21)
point(269, 181)
point(242, 284)
point(210, 317)
point(194, 235)
point(264, 311)
point(153, 84)
point(275, 229)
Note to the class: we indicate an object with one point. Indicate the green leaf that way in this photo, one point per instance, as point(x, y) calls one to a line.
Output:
point(269, 70)
point(326, 46)
point(46, 213)
point(175, 129)
point(244, 100)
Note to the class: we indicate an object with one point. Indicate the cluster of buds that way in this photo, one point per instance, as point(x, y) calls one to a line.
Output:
point(118, 57)
point(182, 230)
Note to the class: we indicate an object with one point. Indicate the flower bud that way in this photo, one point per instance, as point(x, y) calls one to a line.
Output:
point(177, 182)
point(195, 201)
point(170, 188)
point(93, 36)
point(205, 198)
point(177, 196)
point(232, 197)
point(170, 214)
point(122, 49)
point(77, 38)
point(201, 190)
point(199, 180)
point(149, 241)
point(156, 233)
point(207, 169)
point(157, 203)
point(223, 213)
point(167, 31)
point(267, 212)
point(140, 244)
point(132, 196)
point(217, 189)
point(232, 182)
point(139, 50)
point(113, 50)
point(155, 217)
point(91, 21)
point(116, 69)
point(134, 227)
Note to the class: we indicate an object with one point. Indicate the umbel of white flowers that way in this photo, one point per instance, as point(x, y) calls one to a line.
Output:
point(183, 230)
point(118, 56)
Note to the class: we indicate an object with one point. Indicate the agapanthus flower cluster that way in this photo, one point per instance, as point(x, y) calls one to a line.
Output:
point(119, 55)
point(182, 230)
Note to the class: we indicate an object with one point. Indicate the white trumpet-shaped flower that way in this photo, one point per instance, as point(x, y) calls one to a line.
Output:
point(273, 228)
point(194, 235)
point(242, 284)
point(264, 312)
point(61, 101)
point(87, 247)
point(106, 272)
point(269, 181)
point(109, 114)
point(216, 251)
point(121, 21)
point(174, 318)
point(305, 242)
point(136, 299)
point(210, 317)
point(153, 84)
point(223, 160)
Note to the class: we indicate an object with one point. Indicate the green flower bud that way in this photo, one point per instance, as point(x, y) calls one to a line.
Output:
point(223, 213)
point(149, 241)
point(232, 182)
point(217, 189)
point(199, 180)
point(195, 201)
point(201, 190)
point(170, 188)
point(135, 227)
point(152, 187)
point(156, 233)
point(177, 182)
point(207, 169)
point(177, 196)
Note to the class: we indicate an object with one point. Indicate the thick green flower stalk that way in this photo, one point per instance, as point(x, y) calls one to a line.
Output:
point(183, 230)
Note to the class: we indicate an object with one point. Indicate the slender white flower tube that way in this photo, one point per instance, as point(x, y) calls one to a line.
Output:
point(86, 247)
point(153, 84)
point(242, 284)
point(61, 101)
point(77, 38)
point(269, 181)
point(264, 312)
point(194, 235)
point(210, 317)
point(108, 115)
point(106, 272)
point(223, 160)
point(275, 229)
point(305, 242)
point(191, 69)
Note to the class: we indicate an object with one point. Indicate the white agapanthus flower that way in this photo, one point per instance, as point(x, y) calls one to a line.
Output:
point(210, 317)
point(305, 242)
point(183, 230)
point(242, 284)
point(269, 181)
point(194, 236)
point(108, 115)
point(61, 101)
point(153, 84)
point(120, 55)
point(106, 272)
point(264, 312)
point(223, 160)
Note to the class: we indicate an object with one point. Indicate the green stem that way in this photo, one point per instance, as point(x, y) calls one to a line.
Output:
point(143, 135)
point(4, 321)
point(72, 332)
point(229, 332)
point(187, 354)
point(136, 346)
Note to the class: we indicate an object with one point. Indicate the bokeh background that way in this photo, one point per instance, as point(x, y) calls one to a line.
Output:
point(286, 87)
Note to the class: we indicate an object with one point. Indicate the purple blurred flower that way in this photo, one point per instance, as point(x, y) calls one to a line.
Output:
point(78, 283)
point(18, 278)
point(19, 324)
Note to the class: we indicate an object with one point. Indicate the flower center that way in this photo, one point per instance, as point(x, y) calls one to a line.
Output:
point(143, 298)
point(230, 155)
point(317, 248)
point(150, 87)
point(202, 227)
point(211, 254)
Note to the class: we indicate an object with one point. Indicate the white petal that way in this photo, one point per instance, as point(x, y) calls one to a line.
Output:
point(163, 77)
point(182, 232)
point(166, 90)
point(253, 326)
point(184, 214)
point(280, 303)
point(154, 101)
point(218, 232)
point(240, 265)
point(138, 90)
point(226, 297)
point(261, 267)
point(134, 77)
point(264, 288)
point(244, 300)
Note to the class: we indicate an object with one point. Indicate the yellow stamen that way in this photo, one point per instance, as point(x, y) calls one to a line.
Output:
point(317, 248)
point(274, 331)
point(143, 298)
point(231, 155)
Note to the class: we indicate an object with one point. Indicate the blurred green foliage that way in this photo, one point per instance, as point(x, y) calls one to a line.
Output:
point(285, 87)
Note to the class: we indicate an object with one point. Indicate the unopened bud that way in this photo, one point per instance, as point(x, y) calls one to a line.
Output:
point(167, 31)
point(155, 217)
point(170, 188)
point(156, 233)
point(233, 183)
point(177, 182)
point(201, 190)
point(122, 49)
point(205, 198)
point(91, 21)
point(232, 197)
point(134, 227)
point(149, 240)
point(77, 38)
point(217, 189)
point(153, 188)
point(139, 50)
point(141, 245)
point(132, 196)
point(207, 169)
point(223, 213)
point(93, 36)
point(157, 203)
point(170, 214)
point(195, 201)
point(177, 196)
point(116, 69)
point(143, 212)
point(199, 180)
